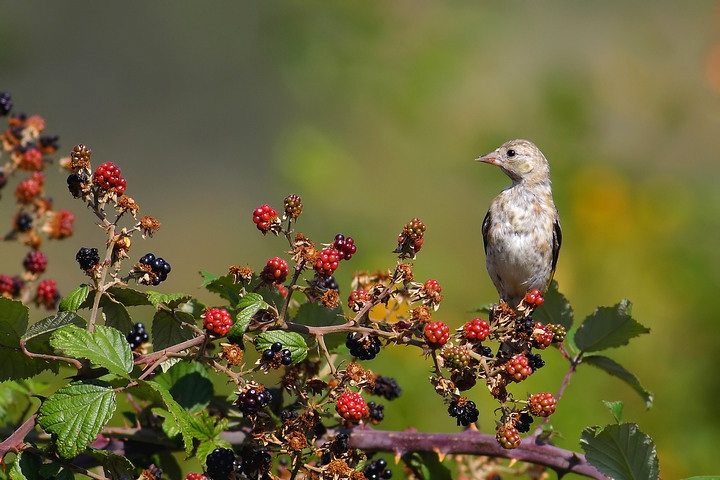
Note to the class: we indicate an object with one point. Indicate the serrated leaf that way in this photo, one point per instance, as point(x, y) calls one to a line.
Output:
point(615, 369)
point(224, 286)
point(621, 451)
point(556, 309)
point(167, 332)
point(615, 408)
point(128, 296)
point(206, 448)
point(52, 323)
point(290, 340)
point(105, 347)
point(114, 466)
point(13, 321)
point(180, 416)
point(17, 366)
point(250, 304)
point(171, 300)
point(189, 384)
point(116, 315)
point(26, 467)
point(169, 427)
point(608, 327)
point(76, 413)
point(316, 315)
point(72, 302)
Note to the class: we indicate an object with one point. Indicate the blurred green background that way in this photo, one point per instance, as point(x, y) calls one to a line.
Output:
point(373, 112)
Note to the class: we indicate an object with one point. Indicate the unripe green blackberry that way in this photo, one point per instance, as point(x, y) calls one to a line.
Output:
point(558, 333)
point(508, 436)
point(456, 357)
point(293, 206)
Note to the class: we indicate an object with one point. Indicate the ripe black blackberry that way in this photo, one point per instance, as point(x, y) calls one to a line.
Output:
point(364, 347)
point(482, 350)
point(87, 257)
point(525, 325)
point(464, 411)
point(329, 283)
point(6, 103)
point(376, 412)
point(276, 355)
point(346, 246)
point(220, 463)
point(523, 423)
point(158, 265)
point(535, 360)
point(137, 336)
point(377, 469)
point(255, 462)
point(75, 183)
point(48, 143)
point(253, 399)
point(23, 222)
point(386, 387)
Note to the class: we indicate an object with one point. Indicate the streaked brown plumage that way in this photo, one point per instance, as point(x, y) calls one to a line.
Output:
point(521, 230)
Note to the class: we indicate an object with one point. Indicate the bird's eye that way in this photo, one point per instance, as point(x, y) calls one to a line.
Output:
point(511, 153)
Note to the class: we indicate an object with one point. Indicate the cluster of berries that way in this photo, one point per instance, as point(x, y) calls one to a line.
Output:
point(456, 356)
point(220, 463)
point(476, 330)
point(376, 412)
point(137, 336)
point(293, 206)
point(276, 355)
point(328, 259)
point(35, 262)
point(158, 266)
point(464, 410)
point(107, 177)
point(275, 271)
point(266, 219)
point(411, 239)
point(351, 406)
point(386, 387)
point(47, 294)
point(377, 470)
point(29, 189)
point(364, 347)
point(437, 334)
point(217, 321)
point(357, 300)
point(534, 298)
point(253, 399)
point(87, 258)
point(11, 286)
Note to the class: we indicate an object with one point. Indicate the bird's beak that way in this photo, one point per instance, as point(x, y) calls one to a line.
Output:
point(492, 158)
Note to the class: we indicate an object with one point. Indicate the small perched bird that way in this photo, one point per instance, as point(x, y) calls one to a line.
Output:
point(521, 230)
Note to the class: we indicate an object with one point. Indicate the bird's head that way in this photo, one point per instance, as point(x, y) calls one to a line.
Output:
point(521, 160)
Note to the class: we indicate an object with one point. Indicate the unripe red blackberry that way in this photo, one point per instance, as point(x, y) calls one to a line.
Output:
point(253, 399)
point(351, 406)
point(31, 159)
point(432, 286)
point(542, 404)
point(217, 321)
point(518, 368)
point(437, 334)
point(47, 294)
point(35, 262)
point(87, 258)
point(364, 347)
point(275, 271)
point(327, 261)
point(265, 217)
point(357, 300)
point(345, 246)
point(108, 177)
point(534, 297)
point(476, 330)
point(195, 476)
point(29, 189)
point(542, 335)
point(456, 357)
point(293, 206)
point(464, 410)
point(508, 437)
point(6, 285)
point(61, 224)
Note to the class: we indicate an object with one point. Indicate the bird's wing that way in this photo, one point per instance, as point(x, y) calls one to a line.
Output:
point(485, 228)
point(557, 241)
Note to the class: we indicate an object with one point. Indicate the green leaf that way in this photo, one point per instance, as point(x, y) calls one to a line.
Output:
point(426, 466)
point(224, 286)
point(76, 413)
point(171, 300)
point(72, 302)
point(181, 417)
point(290, 340)
point(316, 315)
point(556, 309)
point(206, 448)
point(703, 477)
point(250, 304)
point(16, 366)
point(189, 384)
point(116, 315)
point(52, 323)
point(608, 327)
point(621, 451)
point(105, 347)
point(114, 465)
point(616, 409)
point(128, 296)
point(167, 332)
point(13, 321)
point(613, 368)
point(26, 467)
point(169, 426)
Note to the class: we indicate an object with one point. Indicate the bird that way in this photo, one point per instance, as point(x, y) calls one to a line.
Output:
point(521, 230)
